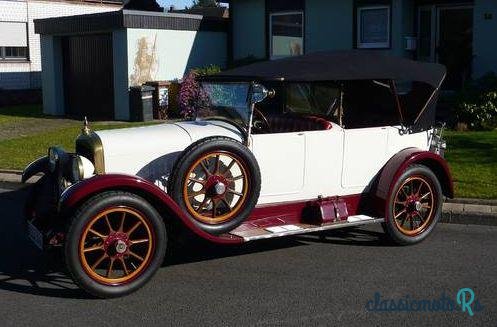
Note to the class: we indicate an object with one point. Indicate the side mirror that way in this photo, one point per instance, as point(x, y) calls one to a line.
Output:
point(259, 93)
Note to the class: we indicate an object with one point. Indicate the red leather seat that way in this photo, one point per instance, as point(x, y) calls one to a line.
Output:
point(292, 123)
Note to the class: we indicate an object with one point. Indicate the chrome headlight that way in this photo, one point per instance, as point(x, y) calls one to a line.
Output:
point(77, 170)
point(53, 158)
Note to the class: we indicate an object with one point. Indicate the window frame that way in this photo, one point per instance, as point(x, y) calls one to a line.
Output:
point(374, 45)
point(283, 13)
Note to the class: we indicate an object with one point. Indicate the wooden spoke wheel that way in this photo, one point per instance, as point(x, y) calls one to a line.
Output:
point(215, 187)
point(216, 181)
point(414, 205)
point(115, 242)
point(116, 245)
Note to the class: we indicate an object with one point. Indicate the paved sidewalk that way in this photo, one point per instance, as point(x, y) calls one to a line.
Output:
point(456, 211)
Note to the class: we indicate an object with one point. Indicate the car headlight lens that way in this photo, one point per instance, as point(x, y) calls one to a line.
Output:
point(53, 158)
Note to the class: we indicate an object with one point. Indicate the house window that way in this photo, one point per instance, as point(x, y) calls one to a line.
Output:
point(287, 34)
point(373, 27)
point(13, 41)
point(12, 53)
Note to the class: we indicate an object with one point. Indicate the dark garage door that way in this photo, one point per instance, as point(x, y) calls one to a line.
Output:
point(88, 76)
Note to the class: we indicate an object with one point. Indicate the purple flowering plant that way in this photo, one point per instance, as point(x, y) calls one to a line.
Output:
point(192, 98)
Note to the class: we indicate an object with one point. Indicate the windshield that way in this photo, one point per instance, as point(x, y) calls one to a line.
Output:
point(226, 100)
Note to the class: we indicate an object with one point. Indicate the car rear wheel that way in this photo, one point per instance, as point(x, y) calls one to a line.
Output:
point(415, 206)
point(217, 182)
point(115, 242)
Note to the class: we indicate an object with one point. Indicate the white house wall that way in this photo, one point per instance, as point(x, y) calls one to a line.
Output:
point(169, 54)
point(23, 75)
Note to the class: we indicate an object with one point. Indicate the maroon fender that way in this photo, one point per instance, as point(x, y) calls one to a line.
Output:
point(76, 194)
point(399, 162)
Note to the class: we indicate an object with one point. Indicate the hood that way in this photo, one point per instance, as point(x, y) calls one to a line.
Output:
point(151, 151)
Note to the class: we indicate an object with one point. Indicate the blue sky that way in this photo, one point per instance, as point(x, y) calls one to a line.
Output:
point(179, 4)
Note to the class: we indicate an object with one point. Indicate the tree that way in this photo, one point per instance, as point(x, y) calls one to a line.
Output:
point(204, 3)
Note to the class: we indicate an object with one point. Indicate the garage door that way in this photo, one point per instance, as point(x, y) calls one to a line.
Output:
point(88, 76)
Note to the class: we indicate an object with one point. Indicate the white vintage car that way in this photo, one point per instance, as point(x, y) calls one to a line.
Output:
point(298, 145)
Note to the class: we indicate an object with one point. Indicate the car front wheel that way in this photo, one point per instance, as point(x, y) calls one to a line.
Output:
point(115, 243)
point(414, 206)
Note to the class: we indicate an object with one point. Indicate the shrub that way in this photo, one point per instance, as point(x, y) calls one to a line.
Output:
point(192, 97)
point(476, 103)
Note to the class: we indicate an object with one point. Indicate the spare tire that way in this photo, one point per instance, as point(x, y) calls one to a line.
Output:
point(217, 182)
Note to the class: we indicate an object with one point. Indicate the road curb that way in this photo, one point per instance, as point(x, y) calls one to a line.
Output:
point(455, 211)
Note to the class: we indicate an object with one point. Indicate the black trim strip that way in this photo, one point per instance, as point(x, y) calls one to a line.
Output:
point(129, 19)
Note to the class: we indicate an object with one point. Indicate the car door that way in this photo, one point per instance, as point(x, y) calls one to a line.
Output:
point(281, 158)
point(364, 153)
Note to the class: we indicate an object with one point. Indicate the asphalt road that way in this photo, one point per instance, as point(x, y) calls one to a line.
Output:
point(304, 280)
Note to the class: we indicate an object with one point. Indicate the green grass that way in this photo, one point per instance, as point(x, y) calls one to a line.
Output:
point(472, 157)
point(18, 113)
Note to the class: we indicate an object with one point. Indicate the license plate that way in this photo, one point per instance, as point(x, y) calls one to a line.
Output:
point(35, 236)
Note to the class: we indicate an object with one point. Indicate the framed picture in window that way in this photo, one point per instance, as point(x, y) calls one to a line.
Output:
point(373, 27)
point(286, 31)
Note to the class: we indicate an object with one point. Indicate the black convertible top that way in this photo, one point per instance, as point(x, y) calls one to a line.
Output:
point(339, 66)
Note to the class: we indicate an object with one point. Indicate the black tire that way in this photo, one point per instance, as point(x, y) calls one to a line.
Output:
point(205, 147)
point(155, 249)
point(395, 227)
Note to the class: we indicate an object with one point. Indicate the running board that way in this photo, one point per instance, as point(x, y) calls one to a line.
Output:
point(253, 234)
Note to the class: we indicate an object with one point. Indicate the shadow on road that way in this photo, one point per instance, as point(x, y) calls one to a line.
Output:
point(24, 269)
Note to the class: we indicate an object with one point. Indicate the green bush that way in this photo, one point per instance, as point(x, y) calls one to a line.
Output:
point(476, 103)
point(207, 70)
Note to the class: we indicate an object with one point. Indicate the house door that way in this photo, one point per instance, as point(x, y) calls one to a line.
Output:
point(455, 44)
point(445, 35)
point(88, 76)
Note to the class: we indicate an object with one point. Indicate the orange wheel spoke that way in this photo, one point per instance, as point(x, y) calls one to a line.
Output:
point(197, 180)
point(111, 267)
point(229, 167)
point(202, 205)
point(138, 223)
point(419, 189)
point(136, 256)
point(102, 236)
point(94, 248)
point(400, 213)
point(237, 178)
point(234, 192)
point(140, 241)
point(420, 217)
point(108, 224)
point(204, 167)
point(424, 196)
point(214, 208)
point(121, 226)
point(125, 268)
point(227, 204)
point(99, 261)
point(218, 162)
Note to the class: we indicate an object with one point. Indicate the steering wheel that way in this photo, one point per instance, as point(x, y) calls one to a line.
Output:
point(262, 124)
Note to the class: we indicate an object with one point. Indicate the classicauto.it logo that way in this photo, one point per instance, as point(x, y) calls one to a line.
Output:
point(464, 301)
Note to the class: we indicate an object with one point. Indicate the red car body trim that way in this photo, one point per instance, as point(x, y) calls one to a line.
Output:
point(399, 163)
point(99, 183)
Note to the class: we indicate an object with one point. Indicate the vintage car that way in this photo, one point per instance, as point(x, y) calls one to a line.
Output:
point(298, 145)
